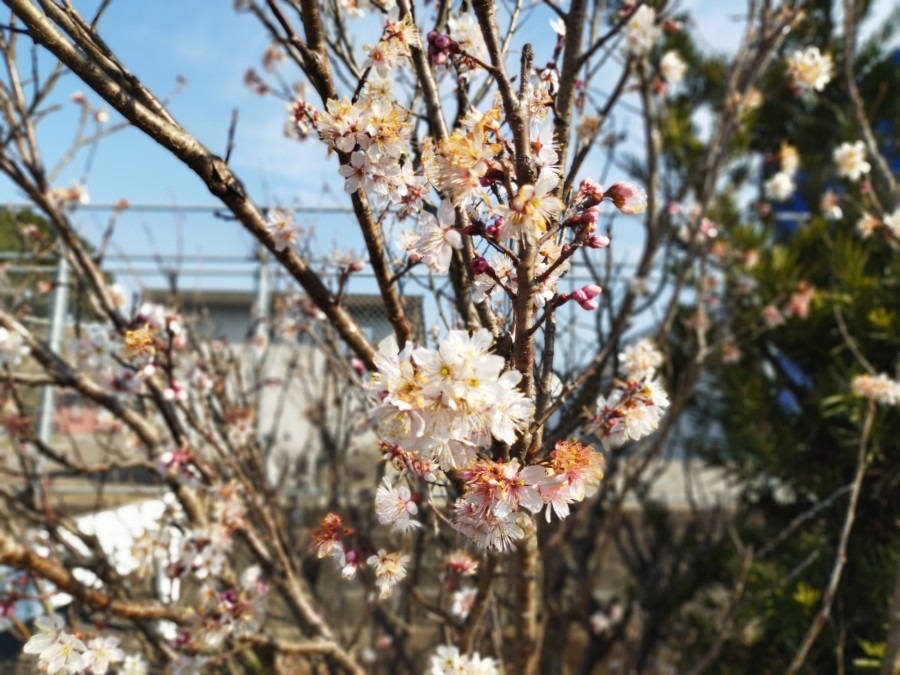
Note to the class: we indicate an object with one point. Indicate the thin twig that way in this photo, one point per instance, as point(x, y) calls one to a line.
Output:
point(840, 559)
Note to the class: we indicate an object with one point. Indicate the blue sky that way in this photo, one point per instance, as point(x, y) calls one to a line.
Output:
point(212, 46)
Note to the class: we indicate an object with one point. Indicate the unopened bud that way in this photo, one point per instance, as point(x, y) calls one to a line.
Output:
point(479, 265)
point(592, 290)
point(671, 26)
point(358, 366)
point(589, 192)
point(628, 198)
point(597, 241)
point(591, 216)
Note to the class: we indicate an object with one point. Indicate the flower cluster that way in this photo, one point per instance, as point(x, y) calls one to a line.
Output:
point(447, 660)
point(464, 162)
point(499, 271)
point(12, 348)
point(466, 32)
point(371, 135)
point(61, 652)
point(281, 227)
point(490, 512)
point(851, 160)
point(433, 243)
point(498, 495)
point(392, 49)
point(642, 32)
point(881, 388)
point(810, 70)
point(445, 402)
point(636, 404)
point(672, 68)
point(579, 469)
point(640, 359)
point(868, 223)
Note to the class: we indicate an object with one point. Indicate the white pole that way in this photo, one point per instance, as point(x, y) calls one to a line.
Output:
point(54, 341)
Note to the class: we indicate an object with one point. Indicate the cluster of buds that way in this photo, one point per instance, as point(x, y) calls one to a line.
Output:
point(586, 296)
point(302, 120)
point(441, 48)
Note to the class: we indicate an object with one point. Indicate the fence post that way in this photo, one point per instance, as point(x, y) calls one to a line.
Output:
point(54, 341)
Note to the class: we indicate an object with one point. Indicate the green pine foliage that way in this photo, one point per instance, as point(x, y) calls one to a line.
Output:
point(781, 420)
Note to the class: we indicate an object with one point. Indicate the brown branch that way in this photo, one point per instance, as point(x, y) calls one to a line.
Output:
point(486, 13)
point(322, 647)
point(568, 78)
point(481, 603)
point(425, 77)
point(526, 603)
point(218, 178)
point(17, 556)
point(840, 558)
point(859, 110)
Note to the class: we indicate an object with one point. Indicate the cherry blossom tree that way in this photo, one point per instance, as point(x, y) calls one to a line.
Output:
point(472, 142)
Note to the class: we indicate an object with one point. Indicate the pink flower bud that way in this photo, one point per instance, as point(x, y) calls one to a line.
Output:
point(589, 305)
point(589, 192)
point(493, 230)
point(579, 296)
point(592, 290)
point(628, 198)
point(358, 366)
point(671, 26)
point(591, 216)
point(479, 265)
point(597, 241)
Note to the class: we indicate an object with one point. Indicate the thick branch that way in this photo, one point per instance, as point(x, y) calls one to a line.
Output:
point(210, 168)
point(17, 556)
